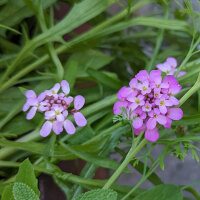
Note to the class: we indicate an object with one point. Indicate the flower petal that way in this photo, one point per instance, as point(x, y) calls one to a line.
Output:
point(31, 113)
point(79, 102)
point(124, 92)
point(56, 87)
point(142, 75)
point(65, 87)
point(174, 100)
point(26, 106)
point(152, 135)
point(80, 119)
point(168, 124)
point(32, 101)
point(41, 96)
point(163, 109)
point(57, 127)
point(69, 127)
point(137, 123)
point(50, 114)
point(118, 105)
point(151, 123)
point(30, 94)
point(175, 113)
point(172, 62)
point(46, 129)
point(60, 118)
point(161, 119)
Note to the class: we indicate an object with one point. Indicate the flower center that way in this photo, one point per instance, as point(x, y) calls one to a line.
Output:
point(53, 92)
point(155, 115)
point(57, 112)
point(144, 88)
point(162, 103)
point(147, 107)
point(156, 94)
point(158, 85)
point(137, 101)
point(167, 72)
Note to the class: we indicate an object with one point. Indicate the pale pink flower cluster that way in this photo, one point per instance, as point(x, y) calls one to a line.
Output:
point(149, 101)
point(56, 108)
point(169, 67)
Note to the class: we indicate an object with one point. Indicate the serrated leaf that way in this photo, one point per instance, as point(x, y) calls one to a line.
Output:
point(161, 192)
point(23, 191)
point(26, 175)
point(99, 194)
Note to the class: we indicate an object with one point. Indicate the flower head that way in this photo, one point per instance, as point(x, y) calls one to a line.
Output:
point(56, 108)
point(169, 67)
point(149, 98)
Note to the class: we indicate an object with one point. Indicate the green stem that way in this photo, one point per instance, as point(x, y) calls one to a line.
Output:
point(193, 192)
point(192, 90)
point(132, 152)
point(158, 43)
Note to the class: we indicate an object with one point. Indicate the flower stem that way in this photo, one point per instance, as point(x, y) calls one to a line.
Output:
point(132, 152)
point(190, 92)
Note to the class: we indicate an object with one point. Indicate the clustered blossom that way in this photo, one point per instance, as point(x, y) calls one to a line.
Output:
point(149, 101)
point(169, 67)
point(56, 108)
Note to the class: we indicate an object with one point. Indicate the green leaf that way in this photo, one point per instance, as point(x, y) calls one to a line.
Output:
point(26, 175)
point(7, 193)
point(23, 191)
point(99, 194)
point(70, 73)
point(105, 79)
point(188, 120)
point(95, 159)
point(161, 192)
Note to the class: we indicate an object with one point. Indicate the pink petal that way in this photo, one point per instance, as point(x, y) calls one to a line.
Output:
point(142, 75)
point(155, 75)
point(46, 129)
point(174, 89)
point(31, 113)
point(65, 87)
point(118, 105)
point(152, 135)
point(69, 127)
point(123, 93)
point(163, 109)
point(68, 100)
point(50, 114)
point(56, 87)
point(25, 107)
point(57, 127)
point(32, 101)
point(30, 94)
point(151, 123)
point(80, 119)
point(133, 83)
point(172, 61)
point(174, 100)
point(181, 74)
point(171, 80)
point(41, 96)
point(139, 130)
point(168, 124)
point(133, 106)
point(137, 123)
point(161, 119)
point(175, 113)
point(60, 118)
point(79, 102)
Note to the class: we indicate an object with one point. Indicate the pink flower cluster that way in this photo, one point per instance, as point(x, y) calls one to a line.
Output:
point(169, 67)
point(55, 107)
point(149, 101)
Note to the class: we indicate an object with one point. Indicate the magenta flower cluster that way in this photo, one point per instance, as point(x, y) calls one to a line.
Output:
point(169, 67)
point(56, 108)
point(149, 101)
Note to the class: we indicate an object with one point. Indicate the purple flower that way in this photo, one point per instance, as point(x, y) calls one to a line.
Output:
point(56, 108)
point(169, 67)
point(149, 98)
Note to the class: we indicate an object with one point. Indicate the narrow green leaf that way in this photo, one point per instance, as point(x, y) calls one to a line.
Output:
point(161, 192)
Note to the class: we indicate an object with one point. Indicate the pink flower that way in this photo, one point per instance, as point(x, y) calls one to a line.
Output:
point(148, 101)
point(136, 101)
point(163, 103)
point(155, 116)
point(56, 107)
